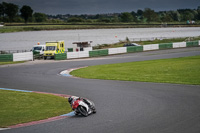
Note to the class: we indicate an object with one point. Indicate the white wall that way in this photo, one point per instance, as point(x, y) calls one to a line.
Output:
point(117, 50)
point(88, 49)
point(23, 56)
point(179, 45)
point(150, 47)
point(80, 54)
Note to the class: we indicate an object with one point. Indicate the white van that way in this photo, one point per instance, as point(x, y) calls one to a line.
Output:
point(39, 48)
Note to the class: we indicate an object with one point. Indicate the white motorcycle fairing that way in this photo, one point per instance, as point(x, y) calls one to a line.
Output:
point(81, 103)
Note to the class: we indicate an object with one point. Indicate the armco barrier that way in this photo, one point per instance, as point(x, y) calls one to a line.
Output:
point(23, 56)
point(60, 56)
point(6, 57)
point(165, 46)
point(192, 44)
point(134, 49)
point(179, 45)
point(117, 50)
point(97, 53)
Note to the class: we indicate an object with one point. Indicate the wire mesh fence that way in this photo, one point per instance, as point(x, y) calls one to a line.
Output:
point(13, 51)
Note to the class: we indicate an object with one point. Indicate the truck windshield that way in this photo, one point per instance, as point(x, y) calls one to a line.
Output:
point(37, 48)
point(50, 48)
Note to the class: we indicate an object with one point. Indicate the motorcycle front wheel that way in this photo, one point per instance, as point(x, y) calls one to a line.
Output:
point(83, 111)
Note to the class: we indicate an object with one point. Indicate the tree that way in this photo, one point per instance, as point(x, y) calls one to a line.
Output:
point(134, 16)
point(104, 19)
point(2, 9)
point(175, 15)
point(139, 12)
point(150, 15)
point(126, 17)
point(26, 12)
point(75, 19)
point(40, 17)
point(187, 15)
point(166, 18)
point(11, 10)
point(115, 19)
point(198, 10)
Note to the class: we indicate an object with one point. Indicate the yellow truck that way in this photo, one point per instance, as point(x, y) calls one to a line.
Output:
point(53, 48)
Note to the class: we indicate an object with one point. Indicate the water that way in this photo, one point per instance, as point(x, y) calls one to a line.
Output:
point(25, 40)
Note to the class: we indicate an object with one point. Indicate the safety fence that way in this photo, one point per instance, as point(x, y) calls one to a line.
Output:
point(6, 57)
point(61, 56)
point(131, 49)
point(26, 56)
point(134, 49)
point(81, 54)
point(165, 45)
point(102, 52)
point(150, 47)
point(97, 53)
point(117, 50)
point(23, 56)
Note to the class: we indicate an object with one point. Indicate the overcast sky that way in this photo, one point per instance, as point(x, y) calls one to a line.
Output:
point(102, 6)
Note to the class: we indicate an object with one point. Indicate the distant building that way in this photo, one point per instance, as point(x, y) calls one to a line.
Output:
point(82, 46)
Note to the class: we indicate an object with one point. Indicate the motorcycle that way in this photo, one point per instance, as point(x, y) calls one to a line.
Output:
point(80, 107)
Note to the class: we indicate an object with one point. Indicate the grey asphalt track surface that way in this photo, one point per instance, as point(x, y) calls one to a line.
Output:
point(122, 106)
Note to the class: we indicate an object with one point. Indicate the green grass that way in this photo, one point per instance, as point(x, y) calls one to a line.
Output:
point(19, 27)
point(11, 62)
point(20, 107)
point(184, 70)
point(7, 29)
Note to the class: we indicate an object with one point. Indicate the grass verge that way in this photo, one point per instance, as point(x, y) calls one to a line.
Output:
point(11, 62)
point(7, 29)
point(19, 27)
point(21, 107)
point(185, 70)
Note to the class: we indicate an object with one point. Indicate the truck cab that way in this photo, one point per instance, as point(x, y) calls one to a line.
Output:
point(53, 48)
point(39, 49)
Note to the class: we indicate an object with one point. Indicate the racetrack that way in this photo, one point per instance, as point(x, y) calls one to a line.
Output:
point(122, 106)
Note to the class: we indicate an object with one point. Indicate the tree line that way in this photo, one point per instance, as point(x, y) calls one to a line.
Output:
point(140, 16)
point(12, 13)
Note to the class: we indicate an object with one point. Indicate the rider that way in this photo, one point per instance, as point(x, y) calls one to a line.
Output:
point(71, 100)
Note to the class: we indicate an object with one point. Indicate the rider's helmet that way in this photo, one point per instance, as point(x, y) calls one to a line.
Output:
point(70, 99)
